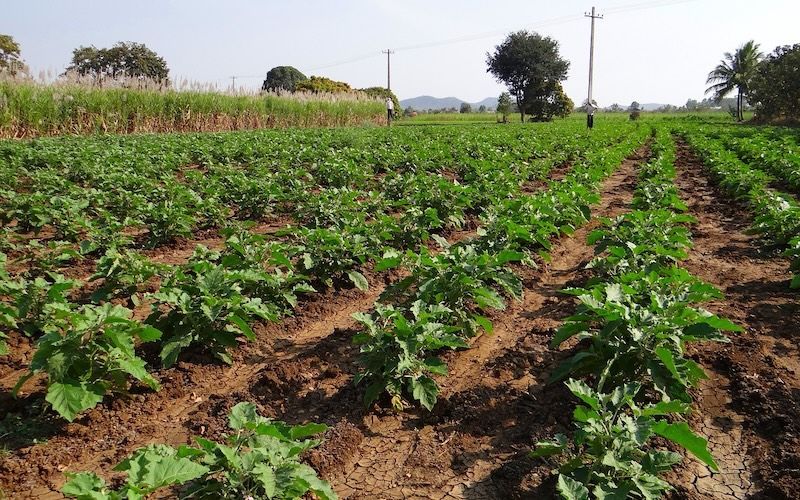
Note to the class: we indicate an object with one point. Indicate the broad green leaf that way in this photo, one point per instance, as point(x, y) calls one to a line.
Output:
point(156, 471)
point(136, 368)
point(243, 326)
point(266, 476)
point(666, 357)
point(506, 256)
point(307, 430)
point(86, 485)
point(70, 399)
point(571, 489)
point(584, 393)
point(358, 280)
point(548, 448)
point(436, 366)
point(681, 434)
point(487, 298)
point(321, 489)
point(373, 392)
point(149, 334)
point(666, 408)
point(387, 263)
point(484, 323)
point(566, 331)
point(172, 348)
point(242, 414)
point(425, 390)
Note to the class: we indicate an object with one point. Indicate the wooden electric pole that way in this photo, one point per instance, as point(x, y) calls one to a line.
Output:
point(590, 106)
point(388, 53)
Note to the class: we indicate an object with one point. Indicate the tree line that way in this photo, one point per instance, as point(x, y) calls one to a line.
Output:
point(770, 83)
point(131, 60)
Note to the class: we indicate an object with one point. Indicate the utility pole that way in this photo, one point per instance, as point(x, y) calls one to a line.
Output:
point(590, 107)
point(388, 53)
point(389, 112)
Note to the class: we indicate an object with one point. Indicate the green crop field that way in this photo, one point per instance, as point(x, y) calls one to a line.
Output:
point(293, 309)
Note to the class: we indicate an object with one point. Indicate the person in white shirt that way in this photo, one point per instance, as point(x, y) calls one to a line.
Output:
point(389, 109)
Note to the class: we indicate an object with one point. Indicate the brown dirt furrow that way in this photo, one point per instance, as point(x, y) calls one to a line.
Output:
point(748, 408)
point(494, 400)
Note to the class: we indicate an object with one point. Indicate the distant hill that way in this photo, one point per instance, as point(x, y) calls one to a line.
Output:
point(430, 102)
point(651, 106)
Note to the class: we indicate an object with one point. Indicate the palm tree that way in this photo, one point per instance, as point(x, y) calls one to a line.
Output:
point(735, 71)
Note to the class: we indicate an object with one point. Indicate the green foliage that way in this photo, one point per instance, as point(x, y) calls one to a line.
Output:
point(777, 215)
point(554, 102)
point(321, 84)
point(775, 88)
point(87, 353)
point(633, 322)
point(124, 59)
point(532, 69)
point(10, 55)
point(459, 278)
point(735, 71)
point(26, 303)
point(123, 272)
point(332, 255)
point(504, 105)
point(210, 301)
point(612, 454)
point(465, 108)
point(637, 328)
point(260, 460)
point(396, 347)
point(641, 240)
point(283, 78)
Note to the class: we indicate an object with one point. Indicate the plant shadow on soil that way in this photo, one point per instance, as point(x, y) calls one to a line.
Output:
point(25, 421)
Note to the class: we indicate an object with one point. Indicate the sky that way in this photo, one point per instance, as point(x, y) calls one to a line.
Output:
point(656, 51)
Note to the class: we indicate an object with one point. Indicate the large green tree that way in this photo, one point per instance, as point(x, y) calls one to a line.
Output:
point(124, 59)
point(283, 78)
point(735, 72)
point(10, 55)
point(532, 69)
point(775, 89)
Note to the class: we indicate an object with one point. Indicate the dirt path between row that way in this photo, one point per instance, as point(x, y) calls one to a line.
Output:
point(749, 407)
point(493, 406)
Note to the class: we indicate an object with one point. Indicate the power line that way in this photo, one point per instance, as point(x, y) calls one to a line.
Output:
point(490, 34)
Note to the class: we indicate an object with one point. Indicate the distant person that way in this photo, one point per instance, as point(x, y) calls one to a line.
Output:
point(389, 110)
point(590, 115)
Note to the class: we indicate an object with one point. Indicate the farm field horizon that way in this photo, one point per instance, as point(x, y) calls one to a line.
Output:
point(452, 310)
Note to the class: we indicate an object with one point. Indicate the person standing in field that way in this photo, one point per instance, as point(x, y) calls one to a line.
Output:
point(389, 110)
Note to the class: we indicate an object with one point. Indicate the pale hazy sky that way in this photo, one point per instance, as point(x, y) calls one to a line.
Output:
point(649, 51)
